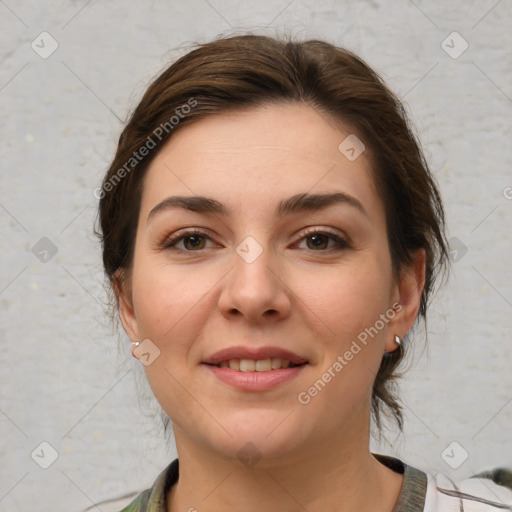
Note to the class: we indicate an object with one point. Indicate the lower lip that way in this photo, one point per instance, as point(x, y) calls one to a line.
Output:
point(255, 381)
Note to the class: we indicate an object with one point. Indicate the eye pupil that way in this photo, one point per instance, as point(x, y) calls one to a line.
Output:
point(197, 239)
point(318, 238)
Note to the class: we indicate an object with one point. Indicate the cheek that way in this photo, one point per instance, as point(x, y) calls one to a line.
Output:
point(347, 307)
point(167, 301)
point(170, 303)
point(350, 297)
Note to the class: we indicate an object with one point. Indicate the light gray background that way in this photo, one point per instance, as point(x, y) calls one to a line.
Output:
point(63, 379)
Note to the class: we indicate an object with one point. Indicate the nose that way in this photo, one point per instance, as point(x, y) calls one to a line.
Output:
point(255, 287)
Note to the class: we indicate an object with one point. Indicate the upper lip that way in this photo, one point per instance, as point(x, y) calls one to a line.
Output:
point(256, 354)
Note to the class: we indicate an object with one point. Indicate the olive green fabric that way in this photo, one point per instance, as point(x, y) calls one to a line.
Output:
point(411, 499)
point(418, 493)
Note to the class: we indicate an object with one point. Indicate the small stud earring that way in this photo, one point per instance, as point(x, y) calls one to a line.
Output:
point(136, 343)
point(398, 341)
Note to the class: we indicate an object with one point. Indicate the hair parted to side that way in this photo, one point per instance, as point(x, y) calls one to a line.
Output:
point(244, 71)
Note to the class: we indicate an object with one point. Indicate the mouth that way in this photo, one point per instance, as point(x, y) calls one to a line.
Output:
point(258, 365)
point(260, 375)
point(250, 359)
point(253, 369)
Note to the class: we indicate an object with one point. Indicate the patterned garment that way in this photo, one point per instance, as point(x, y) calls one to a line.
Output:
point(489, 491)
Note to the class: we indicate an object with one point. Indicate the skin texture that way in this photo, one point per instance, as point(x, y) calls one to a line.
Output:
point(311, 299)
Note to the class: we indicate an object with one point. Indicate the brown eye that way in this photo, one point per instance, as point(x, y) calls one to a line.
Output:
point(319, 241)
point(195, 241)
point(192, 241)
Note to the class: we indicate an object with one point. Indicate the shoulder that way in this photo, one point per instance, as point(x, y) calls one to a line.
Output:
point(154, 499)
point(140, 503)
point(487, 491)
point(150, 500)
point(125, 503)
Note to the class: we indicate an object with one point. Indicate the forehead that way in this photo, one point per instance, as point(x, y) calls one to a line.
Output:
point(259, 155)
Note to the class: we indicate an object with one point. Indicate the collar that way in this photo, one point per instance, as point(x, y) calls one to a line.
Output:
point(410, 499)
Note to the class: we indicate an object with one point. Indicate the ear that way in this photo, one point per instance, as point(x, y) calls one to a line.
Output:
point(407, 293)
point(122, 289)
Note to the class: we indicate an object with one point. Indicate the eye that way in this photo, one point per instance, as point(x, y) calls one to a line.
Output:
point(320, 238)
point(193, 241)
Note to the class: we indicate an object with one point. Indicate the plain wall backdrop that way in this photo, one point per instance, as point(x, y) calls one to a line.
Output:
point(71, 71)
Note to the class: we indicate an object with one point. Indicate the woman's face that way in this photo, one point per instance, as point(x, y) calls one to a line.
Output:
point(271, 271)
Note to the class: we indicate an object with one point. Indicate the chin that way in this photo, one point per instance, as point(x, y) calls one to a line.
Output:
point(258, 452)
point(260, 436)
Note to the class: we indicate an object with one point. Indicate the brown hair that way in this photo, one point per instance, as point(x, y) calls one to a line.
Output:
point(240, 72)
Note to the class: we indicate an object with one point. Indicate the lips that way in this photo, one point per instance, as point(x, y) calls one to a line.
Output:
point(247, 369)
point(255, 354)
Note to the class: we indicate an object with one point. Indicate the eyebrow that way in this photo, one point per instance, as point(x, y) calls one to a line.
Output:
point(298, 203)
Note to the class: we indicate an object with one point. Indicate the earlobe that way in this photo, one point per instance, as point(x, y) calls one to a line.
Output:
point(410, 292)
point(397, 344)
point(135, 344)
point(122, 289)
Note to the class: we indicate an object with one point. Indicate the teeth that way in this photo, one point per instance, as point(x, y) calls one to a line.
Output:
point(276, 363)
point(247, 365)
point(261, 365)
point(264, 365)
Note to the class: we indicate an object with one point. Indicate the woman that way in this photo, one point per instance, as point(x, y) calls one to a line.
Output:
point(272, 234)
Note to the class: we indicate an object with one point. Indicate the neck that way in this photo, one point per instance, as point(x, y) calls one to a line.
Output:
point(330, 474)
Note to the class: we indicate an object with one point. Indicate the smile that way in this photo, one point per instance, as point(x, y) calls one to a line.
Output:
point(254, 379)
point(260, 365)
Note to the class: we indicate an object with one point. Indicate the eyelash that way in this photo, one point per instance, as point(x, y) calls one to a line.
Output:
point(171, 242)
